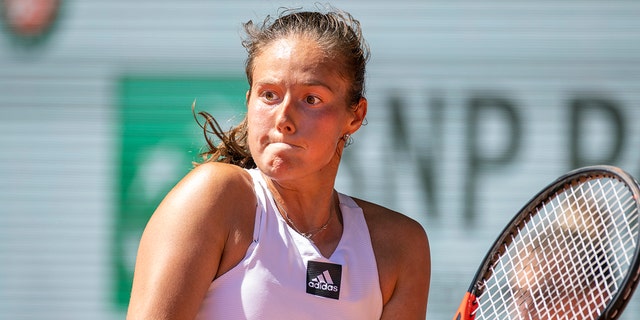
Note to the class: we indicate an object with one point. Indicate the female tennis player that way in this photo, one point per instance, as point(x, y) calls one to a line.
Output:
point(257, 231)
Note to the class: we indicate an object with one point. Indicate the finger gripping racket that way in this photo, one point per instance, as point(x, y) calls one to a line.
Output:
point(570, 253)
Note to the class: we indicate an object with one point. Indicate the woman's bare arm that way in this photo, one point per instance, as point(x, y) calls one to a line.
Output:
point(187, 239)
point(403, 257)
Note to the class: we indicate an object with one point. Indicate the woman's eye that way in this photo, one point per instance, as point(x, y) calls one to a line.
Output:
point(269, 95)
point(312, 100)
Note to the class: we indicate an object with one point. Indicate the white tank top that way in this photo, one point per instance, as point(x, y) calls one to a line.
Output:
point(284, 276)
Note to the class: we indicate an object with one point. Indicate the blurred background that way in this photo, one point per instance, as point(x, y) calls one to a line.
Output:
point(473, 108)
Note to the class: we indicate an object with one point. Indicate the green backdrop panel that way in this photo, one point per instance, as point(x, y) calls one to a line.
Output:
point(159, 140)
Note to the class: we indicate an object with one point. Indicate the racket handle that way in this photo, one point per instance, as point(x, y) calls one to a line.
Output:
point(467, 308)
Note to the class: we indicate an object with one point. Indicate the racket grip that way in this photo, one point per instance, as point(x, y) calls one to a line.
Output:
point(467, 308)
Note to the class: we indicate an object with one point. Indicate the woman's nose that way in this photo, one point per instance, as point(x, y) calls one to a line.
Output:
point(285, 116)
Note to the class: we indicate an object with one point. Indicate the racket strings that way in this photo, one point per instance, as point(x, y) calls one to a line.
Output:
point(568, 259)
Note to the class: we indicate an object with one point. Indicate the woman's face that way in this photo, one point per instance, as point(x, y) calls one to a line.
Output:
point(297, 110)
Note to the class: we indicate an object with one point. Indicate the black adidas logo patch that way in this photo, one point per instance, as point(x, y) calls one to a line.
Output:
point(323, 279)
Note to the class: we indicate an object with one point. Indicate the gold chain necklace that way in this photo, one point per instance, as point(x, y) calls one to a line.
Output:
point(307, 235)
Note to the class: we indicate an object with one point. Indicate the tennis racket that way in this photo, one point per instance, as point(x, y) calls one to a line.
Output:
point(570, 253)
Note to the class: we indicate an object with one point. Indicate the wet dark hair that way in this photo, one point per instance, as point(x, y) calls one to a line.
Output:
point(336, 32)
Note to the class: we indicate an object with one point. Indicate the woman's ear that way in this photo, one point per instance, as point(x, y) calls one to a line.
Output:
point(359, 113)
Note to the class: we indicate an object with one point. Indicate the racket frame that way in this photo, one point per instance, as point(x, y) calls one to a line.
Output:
point(469, 304)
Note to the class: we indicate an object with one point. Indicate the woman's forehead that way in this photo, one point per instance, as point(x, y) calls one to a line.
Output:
point(295, 55)
point(294, 43)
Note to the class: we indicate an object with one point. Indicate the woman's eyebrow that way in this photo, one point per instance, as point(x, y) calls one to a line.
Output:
point(317, 83)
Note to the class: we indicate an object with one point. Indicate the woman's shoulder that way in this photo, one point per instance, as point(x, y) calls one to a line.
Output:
point(221, 173)
point(403, 257)
point(212, 199)
point(390, 230)
point(220, 178)
point(383, 218)
point(214, 188)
